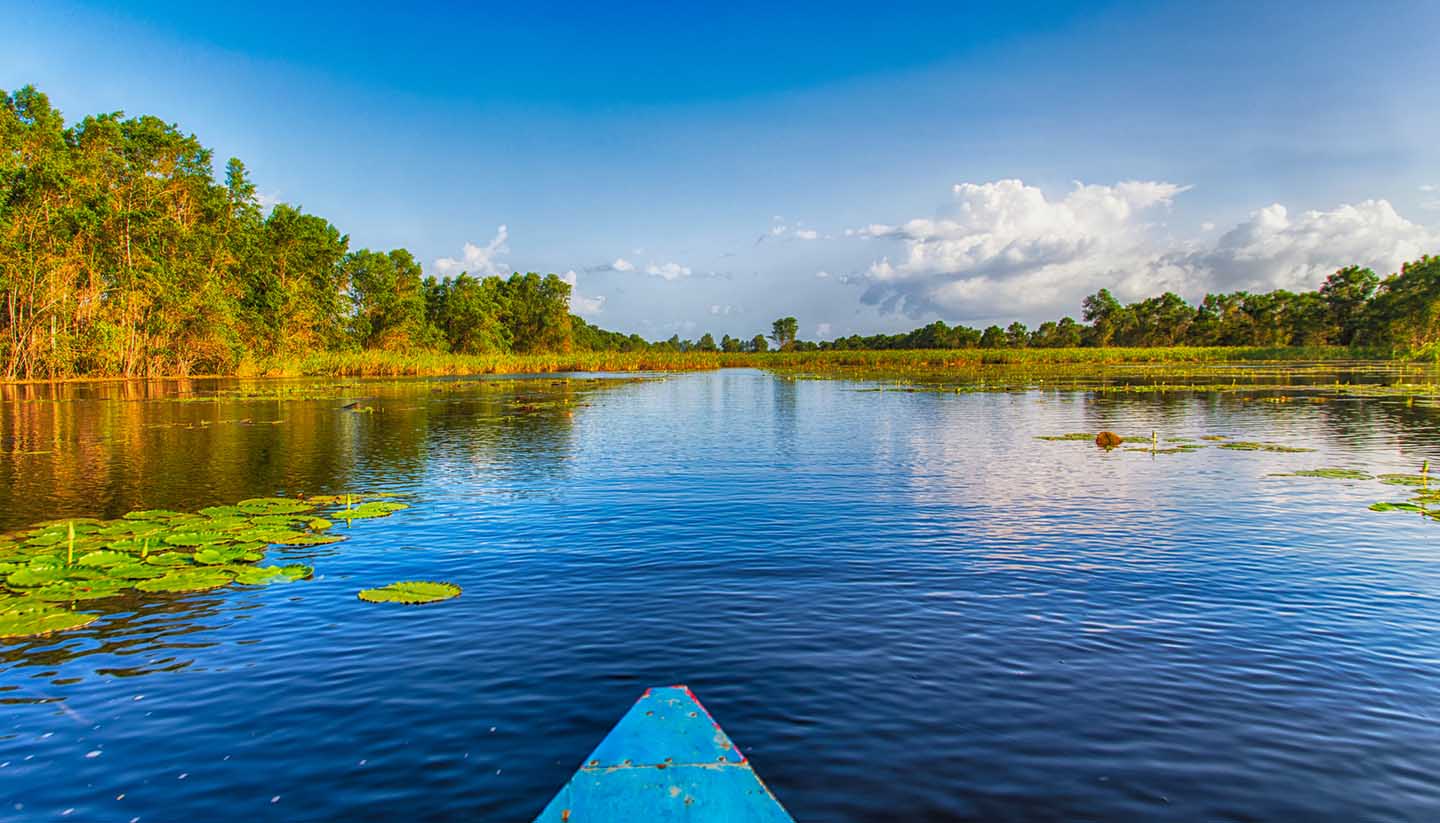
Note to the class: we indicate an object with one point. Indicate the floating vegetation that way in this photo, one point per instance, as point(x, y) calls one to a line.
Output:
point(1251, 446)
point(1331, 474)
point(50, 570)
point(1071, 436)
point(1405, 479)
point(411, 592)
point(39, 618)
point(1397, 507)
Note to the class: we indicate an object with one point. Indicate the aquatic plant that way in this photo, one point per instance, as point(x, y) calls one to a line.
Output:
point(1081, 436)
point(411, 592)
point(1252, 446)
point(159, 550)
point(39, 618)
point(1332, 474)
point(1404, 479)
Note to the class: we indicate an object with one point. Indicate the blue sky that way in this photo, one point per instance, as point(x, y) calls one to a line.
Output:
point(863, 168)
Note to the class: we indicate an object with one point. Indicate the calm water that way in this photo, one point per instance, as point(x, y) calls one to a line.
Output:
point(901, 606)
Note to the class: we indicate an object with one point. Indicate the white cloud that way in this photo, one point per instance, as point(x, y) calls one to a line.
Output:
point(780, 230)
point(1429, 187)
point(1006, 249)
point(822, 329)
point(822, 274)
point(1207, 226)
point(621, 264)
point(722, 310)
point(1274, 250)
point(478, 260)
point(668, 271)
point(267, 201)
point(806, 234)
point(579, 303)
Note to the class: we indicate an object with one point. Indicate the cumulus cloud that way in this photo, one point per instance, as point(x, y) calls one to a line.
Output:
point(579, 303)
point(1005, 248)
point(1006, 245)
point(822, 274)
point(781, 230)
point(621, 264)
point(668, 271)
point(479, 260)
point(1273, 250)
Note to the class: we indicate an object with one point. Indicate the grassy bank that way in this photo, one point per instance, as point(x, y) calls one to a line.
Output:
point(868, 364)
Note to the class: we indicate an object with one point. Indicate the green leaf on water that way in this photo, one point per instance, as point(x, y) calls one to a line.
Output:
point(265, 575)
point(1331, 474)
point(40, 618)
point(1405, 479)
point(222, 511)
point(218, 555)
point(186, 580)
point(169, 559)
point(104, 559)
point(1396, 507)
point(69, 590)
point(33, 576)
point(197, 538)
point(412, 592)
point(1251, 446)
point(137, 571)
point(274, 505)
point(1070, 436)
point(151, 514)
point(319, 524)
point(368, 510)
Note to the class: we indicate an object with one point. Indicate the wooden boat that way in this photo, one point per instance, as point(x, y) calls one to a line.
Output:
point(666, 760)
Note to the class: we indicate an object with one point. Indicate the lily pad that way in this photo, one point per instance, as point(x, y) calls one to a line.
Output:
point(69, 590)
point(40, 618)
point(265, 575)
point(274, 505)
point(368, 510)
point(105, 559)
point(1251, 446)
point(186, 580)
point(222, 511)
point(151, 514)
point(137, 571)
point(218, 555)
point(169, 559)
point(411, 592)
point(1396, 507)
point(1331, 474)
point(32, 576)
point(319, 524)
point(1405, 479)
point(197, 538)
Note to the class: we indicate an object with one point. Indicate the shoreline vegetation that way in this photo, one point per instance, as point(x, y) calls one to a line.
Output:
point(836, 363)
point(123, 256)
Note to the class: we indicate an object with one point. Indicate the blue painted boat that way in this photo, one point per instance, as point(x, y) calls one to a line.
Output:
point(666, 760)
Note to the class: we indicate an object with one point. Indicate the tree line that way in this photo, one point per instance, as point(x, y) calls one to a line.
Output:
point(1354, 307)
point(122, 254)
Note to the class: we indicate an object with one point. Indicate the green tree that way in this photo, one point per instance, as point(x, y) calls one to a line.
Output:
point(758, 343)
point(706, 343)
point(783, 332)
point(1346, 293)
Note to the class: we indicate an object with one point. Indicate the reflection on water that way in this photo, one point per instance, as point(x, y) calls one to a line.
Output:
point(902, 606)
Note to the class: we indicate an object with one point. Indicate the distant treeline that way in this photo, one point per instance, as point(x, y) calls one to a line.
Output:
point(121, 254)
point(1354, 307)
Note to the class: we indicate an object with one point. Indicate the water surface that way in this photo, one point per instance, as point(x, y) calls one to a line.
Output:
point(900, 606)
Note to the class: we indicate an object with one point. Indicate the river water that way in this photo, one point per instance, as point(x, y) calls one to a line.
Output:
point(901, 606)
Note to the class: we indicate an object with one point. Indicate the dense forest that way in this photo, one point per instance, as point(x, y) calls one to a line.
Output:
point(122, 254)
